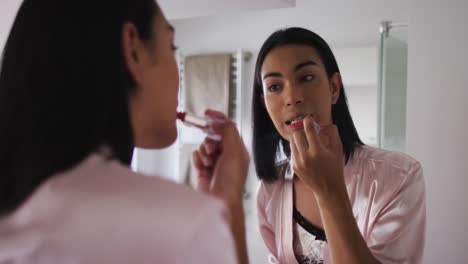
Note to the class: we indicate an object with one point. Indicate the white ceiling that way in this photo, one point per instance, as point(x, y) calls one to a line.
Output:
point(178, 9)
point(343, 23)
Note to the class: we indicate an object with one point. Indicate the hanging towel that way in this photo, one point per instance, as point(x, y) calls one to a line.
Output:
point(207, 81)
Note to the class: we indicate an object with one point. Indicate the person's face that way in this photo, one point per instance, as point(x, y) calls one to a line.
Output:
point(295, 84)
point(154, 68)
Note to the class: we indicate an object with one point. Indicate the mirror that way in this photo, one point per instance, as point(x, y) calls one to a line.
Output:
point(372, 64)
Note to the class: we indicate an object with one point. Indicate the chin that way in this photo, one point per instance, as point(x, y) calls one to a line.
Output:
point(158, 140)
point(167, 139)
point(171, 139)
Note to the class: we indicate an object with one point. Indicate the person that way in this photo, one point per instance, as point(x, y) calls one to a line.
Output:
point(325, 197)
point(81, 84)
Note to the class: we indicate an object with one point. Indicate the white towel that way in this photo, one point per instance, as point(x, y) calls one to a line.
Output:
point(207, 81)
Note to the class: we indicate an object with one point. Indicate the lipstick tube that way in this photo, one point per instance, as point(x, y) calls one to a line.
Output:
point(198, 122)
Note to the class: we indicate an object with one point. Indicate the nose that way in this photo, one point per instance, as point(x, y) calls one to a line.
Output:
point(295, 103)
point(293, 96)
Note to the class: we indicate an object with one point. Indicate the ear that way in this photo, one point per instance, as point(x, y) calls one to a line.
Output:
point(335, 87)
point(131, 48)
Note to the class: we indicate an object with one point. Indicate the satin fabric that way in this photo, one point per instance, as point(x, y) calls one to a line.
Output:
point(387, 193)
point(101, 212)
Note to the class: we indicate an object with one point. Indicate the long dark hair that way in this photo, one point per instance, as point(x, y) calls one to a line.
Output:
point(267, 142)
point(64, 89)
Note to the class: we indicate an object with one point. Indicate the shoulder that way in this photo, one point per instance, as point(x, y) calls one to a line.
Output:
point(367, 155)
point(387, 172)
point(382, 162)
point(101, 185)
point(187, 223)
point(100, 176)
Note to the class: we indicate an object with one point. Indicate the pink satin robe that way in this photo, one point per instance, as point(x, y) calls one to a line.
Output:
point(101, 212)
point(387, 194)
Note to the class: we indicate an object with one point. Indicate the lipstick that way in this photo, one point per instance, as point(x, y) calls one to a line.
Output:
point(199, 122)
point(192, 120)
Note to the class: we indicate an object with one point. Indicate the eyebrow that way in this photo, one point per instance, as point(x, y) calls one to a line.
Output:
point(297, 68)
point(304, 64)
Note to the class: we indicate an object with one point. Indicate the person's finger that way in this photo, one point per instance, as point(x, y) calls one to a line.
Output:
point(213, 136)
point(325, 135)
point(204, 175)
point(206, 159)
point(211, 146)
point(311, 129)
point(197, 160)
point(297, 159)
point(232, 138)
point(227, 131)
point(198, 164)
point(335, 143)
point(215, 128)
point(300, 140)
point(216, 115)
point(294, 151)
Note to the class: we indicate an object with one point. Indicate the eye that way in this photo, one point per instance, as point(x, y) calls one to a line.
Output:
point(174, 47)
point(273, 87)
point(308, 77)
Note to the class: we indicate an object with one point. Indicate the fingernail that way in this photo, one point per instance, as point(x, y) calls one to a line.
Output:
point(217, 120)
point(215, 137)
point(209, 130)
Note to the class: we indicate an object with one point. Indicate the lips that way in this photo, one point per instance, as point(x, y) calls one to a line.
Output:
point(296, 121)
point(298, 118)
point(296, 125)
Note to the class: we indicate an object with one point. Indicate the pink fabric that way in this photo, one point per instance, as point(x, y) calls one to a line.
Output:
point(102, 212)
point(387, 193)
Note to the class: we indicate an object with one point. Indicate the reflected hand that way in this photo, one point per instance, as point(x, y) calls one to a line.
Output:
point(318, 158)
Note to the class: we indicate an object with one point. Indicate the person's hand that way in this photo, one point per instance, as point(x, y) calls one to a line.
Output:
point(222, 166)
point(318, 157)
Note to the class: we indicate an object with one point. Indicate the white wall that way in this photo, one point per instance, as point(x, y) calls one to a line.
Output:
point(8, 9)
point(437, 121)
point(359, 70)
point(162, 163)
